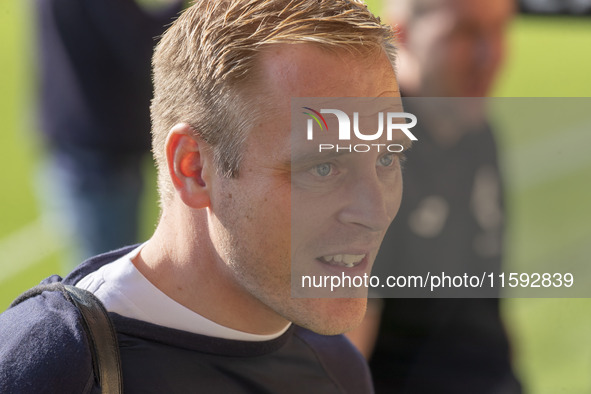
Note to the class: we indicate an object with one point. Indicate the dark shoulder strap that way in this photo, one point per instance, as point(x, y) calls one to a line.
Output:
point(99, 331)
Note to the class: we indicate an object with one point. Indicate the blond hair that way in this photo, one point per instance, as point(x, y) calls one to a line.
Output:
point(205, 65)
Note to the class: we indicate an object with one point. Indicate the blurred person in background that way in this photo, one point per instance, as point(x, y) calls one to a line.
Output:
point(452, 210)
point(95, 91)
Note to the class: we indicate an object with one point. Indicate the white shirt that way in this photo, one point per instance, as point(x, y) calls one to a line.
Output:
point(125, 291)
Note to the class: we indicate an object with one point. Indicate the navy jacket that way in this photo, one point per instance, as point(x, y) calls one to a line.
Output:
point(43, 349)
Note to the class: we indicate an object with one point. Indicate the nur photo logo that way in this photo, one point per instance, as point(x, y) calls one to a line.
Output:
point(387, 122)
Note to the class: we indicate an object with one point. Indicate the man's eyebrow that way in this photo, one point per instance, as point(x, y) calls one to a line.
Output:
point(313, 157)
point(302, 159)
point(404, 141)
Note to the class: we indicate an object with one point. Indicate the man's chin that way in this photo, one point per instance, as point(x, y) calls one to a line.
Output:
point(333, 316)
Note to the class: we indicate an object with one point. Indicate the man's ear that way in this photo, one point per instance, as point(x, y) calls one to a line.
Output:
point(188, 165)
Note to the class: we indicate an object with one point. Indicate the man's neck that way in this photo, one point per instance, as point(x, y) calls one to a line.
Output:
point(192, 274)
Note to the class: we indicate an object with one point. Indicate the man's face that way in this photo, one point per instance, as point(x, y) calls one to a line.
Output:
point(251, 217)
point(459, 46)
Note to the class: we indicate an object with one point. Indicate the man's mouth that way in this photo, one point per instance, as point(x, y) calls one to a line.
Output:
point(343, 260)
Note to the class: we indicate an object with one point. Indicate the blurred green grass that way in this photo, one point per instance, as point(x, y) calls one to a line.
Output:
point(19, 149)
point(549, 56)
point(17, 202)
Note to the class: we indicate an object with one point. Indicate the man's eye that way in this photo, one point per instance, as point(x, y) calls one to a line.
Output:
point(386, 160)
point(324, 169)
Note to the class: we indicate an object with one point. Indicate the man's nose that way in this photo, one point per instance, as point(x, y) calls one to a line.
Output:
point(370, 202)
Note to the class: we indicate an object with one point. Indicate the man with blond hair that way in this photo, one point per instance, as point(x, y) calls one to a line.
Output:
point(206, 303)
